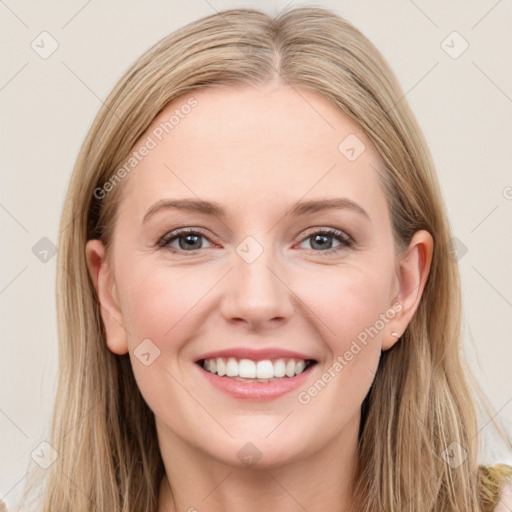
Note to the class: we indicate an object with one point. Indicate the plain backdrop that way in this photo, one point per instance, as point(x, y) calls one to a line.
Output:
point(462, 100)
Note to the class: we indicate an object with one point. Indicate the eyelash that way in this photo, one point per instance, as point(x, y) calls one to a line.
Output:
point(346, 240)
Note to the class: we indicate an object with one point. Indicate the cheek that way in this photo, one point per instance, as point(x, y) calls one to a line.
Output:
point(167, 306)
point(347, 301)
point(351, 309)
point(160, 305)
point(342, 303)
point(159, 302)
point(336, 305)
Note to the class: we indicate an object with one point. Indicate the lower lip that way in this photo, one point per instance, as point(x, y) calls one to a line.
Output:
point(256, 391)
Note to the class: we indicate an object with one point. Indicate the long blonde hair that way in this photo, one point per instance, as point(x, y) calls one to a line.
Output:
point(420, 402)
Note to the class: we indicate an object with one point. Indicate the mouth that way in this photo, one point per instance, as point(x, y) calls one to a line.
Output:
point(256, 371)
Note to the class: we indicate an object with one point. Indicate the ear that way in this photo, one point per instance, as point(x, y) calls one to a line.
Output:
point(105, 286)
point(413, 271)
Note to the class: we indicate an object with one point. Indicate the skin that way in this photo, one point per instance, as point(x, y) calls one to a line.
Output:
point(256, 151)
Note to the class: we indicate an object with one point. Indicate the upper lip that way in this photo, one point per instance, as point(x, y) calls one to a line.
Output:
point(255, 354)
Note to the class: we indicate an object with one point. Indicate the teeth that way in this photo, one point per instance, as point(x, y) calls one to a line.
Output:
point(260, 371)
point(246, 368)
point(279, 368)
point(290, 368)
point(221, 367)
point(265, 369)
point(232, 368)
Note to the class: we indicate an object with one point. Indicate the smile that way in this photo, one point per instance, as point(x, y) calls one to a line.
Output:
point(248, 370)
point(253, 376)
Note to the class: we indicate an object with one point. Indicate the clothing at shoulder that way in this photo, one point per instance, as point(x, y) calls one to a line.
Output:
point(505, 503)
point(496, 491)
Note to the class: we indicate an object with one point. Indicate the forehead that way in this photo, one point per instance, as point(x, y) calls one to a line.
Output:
point(252, 145)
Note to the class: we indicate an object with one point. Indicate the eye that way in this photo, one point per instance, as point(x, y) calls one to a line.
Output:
point(320, 240)
point(188, 240)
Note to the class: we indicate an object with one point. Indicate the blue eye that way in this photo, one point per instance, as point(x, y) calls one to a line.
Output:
point(189, 240)
point(320, 239)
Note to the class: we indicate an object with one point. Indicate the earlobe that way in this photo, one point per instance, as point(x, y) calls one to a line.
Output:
point(412, 275)
point(106, 292)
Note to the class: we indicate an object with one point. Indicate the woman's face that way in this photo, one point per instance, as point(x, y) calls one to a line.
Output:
point(258, 278)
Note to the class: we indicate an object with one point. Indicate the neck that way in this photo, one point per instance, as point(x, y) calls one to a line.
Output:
point(317, 482)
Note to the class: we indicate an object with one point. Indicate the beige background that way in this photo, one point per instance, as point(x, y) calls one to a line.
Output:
point(464, 106)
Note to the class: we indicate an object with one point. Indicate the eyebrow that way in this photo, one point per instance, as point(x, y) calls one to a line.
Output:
point(215, 209)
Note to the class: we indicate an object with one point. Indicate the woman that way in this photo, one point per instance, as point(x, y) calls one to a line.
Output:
point(304, 354)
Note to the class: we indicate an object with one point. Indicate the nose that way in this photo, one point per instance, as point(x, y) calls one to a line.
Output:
point(257, 293)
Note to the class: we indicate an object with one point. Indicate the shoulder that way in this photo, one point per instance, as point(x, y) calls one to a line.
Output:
point(505, 503)
point(496, 487)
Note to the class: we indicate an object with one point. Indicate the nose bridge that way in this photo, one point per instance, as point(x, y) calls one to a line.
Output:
point(257, 292)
